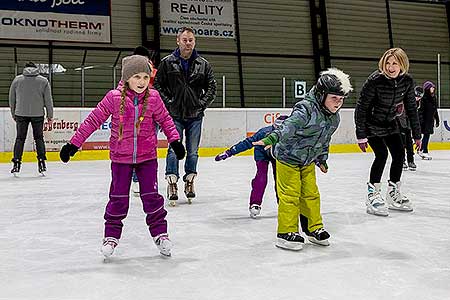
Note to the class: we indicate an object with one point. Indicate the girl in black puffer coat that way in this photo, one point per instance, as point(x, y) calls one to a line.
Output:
point(385, 95)
point(428, 115)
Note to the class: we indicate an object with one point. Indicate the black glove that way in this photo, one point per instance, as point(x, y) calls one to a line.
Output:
point(178, 148)
point(67, 151)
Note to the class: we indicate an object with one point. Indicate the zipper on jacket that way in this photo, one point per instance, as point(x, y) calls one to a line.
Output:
point(392, 103)
point(136, 115)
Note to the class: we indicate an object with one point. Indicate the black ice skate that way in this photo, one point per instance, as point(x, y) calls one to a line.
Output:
point(290, 241)
point(16, 167)
point(42, 168)
point(319, 236)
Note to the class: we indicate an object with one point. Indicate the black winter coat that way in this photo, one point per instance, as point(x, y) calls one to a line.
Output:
point(188, 96)
point(382, 100)
point(428, 113)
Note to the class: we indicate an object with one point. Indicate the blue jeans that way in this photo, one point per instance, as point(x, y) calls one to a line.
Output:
point(425, 140)
point(192, 129)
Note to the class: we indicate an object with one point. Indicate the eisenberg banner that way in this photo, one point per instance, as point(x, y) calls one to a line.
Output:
point(208, 18)
point(56, 20)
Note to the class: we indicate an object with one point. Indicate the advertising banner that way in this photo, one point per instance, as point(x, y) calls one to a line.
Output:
point(56, 20)
point(63, 127)
point(208, 18)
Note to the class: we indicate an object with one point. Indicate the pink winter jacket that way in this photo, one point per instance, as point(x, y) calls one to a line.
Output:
point(134, 147)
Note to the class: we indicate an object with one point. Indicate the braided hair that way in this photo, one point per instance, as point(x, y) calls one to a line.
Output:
point(122, 108)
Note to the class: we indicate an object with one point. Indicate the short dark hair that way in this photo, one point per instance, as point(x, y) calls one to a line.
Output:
point(183, 29)
point(143, 51)
point(30, 64)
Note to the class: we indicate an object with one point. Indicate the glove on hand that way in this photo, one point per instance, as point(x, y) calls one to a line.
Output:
point(67, 151)
point(363, 146)
point(323, 166)
point(224, 155)
point(178, 148)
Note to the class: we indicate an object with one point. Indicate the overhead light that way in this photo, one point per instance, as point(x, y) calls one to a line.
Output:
point(86, 68)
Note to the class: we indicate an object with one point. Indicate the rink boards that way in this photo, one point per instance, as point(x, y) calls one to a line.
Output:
point(222, 128)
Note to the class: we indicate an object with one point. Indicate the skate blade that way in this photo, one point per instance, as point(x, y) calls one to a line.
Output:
point(318, 242)
point(377, 213)
point(42, 174)
point(189, 200)
point(16, 174)
point(172, 203)
point(292, 246)
point(165, 254)
point(405, 209)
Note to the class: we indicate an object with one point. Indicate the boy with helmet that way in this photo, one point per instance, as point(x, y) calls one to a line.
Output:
point(302, 142)
point(262, 158)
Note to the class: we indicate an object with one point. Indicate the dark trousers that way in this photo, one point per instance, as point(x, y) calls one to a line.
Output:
point(380, 146)
point(119, 193)
point(37, 123)
point(408, 142)
point(425, 140)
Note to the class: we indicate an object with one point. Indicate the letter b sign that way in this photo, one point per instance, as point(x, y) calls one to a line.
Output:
point(299, 89)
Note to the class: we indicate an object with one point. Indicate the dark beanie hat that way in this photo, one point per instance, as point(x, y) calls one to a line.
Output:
point(141, 50)
point(30, 64)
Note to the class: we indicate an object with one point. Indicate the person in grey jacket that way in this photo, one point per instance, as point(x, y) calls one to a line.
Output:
point(29, 94)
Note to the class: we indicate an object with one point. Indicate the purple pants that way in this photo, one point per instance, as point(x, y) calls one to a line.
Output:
point(119, 194)
point(259, 183)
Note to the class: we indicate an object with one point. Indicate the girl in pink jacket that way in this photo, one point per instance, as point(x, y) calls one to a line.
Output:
point(134, 108)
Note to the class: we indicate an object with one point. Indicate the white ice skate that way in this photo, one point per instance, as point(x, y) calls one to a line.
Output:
point(189, 187)
point(424, 156)
point(163, 243)
point(395, 199)
point(172, 189)
point(254, 210)
point(135, 188)
point(375, 204)
point(109, 244)
point(290, 241)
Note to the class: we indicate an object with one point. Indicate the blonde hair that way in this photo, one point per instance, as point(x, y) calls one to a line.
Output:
point(122, 109)
point(400, 56)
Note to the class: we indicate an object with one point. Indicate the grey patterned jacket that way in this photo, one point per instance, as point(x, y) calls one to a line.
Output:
point(305, 136)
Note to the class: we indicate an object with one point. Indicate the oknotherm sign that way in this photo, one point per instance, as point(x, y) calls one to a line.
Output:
point(56, 20)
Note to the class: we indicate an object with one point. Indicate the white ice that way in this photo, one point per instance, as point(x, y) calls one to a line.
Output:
point(51, 230)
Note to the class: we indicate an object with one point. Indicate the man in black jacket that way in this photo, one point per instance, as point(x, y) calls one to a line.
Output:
point(186, 83)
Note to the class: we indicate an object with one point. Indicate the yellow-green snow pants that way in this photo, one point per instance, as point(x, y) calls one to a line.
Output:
point(298, 194)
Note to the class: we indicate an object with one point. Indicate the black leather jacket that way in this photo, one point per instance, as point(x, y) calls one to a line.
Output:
point(186, 96)
point(381, 102)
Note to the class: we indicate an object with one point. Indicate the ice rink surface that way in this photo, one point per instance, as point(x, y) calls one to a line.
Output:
point(51, 230)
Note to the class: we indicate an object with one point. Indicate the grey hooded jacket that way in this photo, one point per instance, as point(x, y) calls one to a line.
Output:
point(29, 94)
